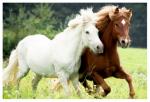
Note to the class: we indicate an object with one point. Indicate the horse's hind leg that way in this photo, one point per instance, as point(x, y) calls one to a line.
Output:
point(20, 75)
point(123, 75)
point(22, 72)
point(35, 82)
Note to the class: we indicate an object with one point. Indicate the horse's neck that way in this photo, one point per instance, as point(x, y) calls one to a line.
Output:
point(73, 42)
point(76, 45)
point(110, 44)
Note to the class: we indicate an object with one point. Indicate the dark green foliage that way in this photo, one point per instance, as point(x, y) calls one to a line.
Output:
point(21, 20)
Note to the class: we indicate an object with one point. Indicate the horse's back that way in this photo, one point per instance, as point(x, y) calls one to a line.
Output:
point(34, 41)
point(35, 38)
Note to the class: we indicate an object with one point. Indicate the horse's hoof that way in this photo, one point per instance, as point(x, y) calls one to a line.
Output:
point(106, 92)
point(34, 97)
point(97, 97)
point(89, 91)
point(103, 94)
point(18, 94)
point(131, 95)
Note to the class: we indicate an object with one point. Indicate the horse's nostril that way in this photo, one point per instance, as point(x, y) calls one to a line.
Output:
point(98, 47)
point(123, 41)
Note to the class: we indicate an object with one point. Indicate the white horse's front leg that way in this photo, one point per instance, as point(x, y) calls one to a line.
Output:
point(63, 78)
point(75, 82)
point(56, 85)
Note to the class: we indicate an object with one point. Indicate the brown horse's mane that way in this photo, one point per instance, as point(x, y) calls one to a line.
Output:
point(106, 14)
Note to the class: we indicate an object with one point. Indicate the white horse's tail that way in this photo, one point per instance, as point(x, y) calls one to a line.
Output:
point(9, 73)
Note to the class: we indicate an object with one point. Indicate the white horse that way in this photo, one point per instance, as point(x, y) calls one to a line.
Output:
point(57, 58)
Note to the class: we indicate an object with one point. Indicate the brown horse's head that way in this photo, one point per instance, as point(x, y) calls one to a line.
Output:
point(121, 27)
point(119, 18)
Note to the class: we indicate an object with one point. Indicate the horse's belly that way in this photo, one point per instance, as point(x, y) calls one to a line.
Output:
point(40, 62)
point(43, 70)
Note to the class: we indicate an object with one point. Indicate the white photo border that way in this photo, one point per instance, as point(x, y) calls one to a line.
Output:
point(75, 1)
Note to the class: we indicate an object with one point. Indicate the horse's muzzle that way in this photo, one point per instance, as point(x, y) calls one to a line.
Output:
point(124, 43)
point(99, 49)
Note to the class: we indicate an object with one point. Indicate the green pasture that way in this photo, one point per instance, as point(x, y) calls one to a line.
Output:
point(133, 60)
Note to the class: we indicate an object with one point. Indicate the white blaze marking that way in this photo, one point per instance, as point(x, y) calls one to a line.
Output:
point(123, 22)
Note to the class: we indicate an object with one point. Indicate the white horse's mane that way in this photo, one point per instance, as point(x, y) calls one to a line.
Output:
point(85, 16)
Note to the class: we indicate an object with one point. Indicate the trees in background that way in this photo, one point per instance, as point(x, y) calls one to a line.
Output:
point(20, 20)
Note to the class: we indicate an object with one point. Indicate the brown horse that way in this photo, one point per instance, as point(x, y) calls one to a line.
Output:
point(114, 27)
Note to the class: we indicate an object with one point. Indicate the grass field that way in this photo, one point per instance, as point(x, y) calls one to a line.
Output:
point(134, 61)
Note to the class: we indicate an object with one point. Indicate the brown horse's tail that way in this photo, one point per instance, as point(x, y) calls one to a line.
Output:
point(9, 73)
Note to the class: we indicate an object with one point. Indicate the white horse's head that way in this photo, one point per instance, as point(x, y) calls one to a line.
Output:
point(87, 21)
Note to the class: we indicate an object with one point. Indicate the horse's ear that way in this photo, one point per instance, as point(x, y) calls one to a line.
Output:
point(129, 13)
point(116, 10)
point(73, 23)
point(130, 10)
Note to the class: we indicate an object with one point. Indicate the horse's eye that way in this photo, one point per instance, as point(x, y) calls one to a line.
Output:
point(116, 25)
point(87, 32)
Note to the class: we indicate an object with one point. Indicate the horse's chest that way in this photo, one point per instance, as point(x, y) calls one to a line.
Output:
point(110, 70)
point(69, 66)
point(74, 67)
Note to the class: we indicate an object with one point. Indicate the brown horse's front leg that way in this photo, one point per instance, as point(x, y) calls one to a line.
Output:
point(83, 81)
point(100, 81)
point(123, 75)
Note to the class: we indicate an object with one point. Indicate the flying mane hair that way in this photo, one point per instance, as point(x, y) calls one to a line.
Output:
point(85, 16)
point(107, 13)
